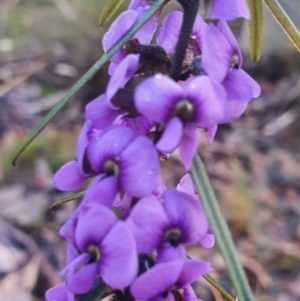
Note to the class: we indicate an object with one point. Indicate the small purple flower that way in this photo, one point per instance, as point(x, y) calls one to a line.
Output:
point(121, 25)
point(168, 34)
point(222, 60)
point(156, 283)
point(181, 109)
point(228, 10)
point(186, 185)
point(59, 292)
point(175, 221)
point(107, 249)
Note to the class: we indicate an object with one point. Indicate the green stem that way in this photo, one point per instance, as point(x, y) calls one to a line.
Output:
point(87, 76)
point(284, 21)
point(220, 230)
point(67, 199)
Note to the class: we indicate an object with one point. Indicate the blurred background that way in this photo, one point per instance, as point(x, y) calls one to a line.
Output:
point(254, 163)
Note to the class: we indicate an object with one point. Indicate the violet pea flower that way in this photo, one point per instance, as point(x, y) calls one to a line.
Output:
point(167, 225)
point(108, 250)
point(181, 110)
point(156, 283)
point(228, 10)
point(121, 25)
point(186, 185)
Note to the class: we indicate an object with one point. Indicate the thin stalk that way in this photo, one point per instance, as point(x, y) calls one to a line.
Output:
point(67, 199)
point(220, 230)
point(190, 11)
point(284, 21)
point(87, 76)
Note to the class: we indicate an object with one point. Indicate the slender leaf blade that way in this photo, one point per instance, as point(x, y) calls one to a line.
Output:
point(284, 21)
point(86, 77)
point(220, 230)
point(255, 28)
point(109, 10)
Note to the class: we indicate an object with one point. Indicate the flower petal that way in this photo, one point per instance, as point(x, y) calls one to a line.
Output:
point(124, 71)
point(100, 113)
point(171, 136)
point(108, 146)
point(234, 109)
point(191, 271)
point(93, 223)
point(188, 146)
point(80, 281)
point(157, 280)
point(104, 191)
point(148, 222)
point(68, 177)
point(216, 53)
point(209, 99)
point(139, 165)
point(208, 240)
point(57, 293)
point(156, 97)
point(119, 262)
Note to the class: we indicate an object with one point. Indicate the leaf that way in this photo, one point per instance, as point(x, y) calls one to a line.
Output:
point(86, 77)
point(67, 199)
point(284, 21)
point(109, 10)
point(220, 230)
point(255, 28)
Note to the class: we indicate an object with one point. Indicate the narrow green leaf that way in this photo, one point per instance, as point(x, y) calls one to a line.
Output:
point(220, 230)
point(109, 10)
point(255, 28)
point(284, 21)
point(87, 76)
point(217, 286)
point(95, 293)
point(67, 199)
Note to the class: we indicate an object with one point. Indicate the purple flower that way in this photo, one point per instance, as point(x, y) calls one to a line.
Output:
point(222, 60)
point(168, 34)
point(228, 10)
point(186, 185)
point(123, 161)
point(135, 4)
point(198, 104)
point(121, 25)
point(156, 283)
point(107, 249)
point(59, 292)
point(175, 221)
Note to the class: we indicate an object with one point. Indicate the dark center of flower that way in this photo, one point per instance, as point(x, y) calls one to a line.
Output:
point(94, 252)
point(184, 110)
point(173, 237)
point(111, 168)
point(146, 262)
point(235, 62)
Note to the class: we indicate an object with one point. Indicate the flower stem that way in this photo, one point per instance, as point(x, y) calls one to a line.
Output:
point(86, 77)
point(220, 230)
point(190, 11)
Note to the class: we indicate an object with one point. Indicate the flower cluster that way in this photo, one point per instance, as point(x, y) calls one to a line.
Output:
point(140, 250)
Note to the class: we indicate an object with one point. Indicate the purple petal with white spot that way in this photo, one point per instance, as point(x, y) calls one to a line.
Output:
point(139, 165)
point(80, 281)
point(156, 97)
point(209, 99)
point(191, 271)
point(57, 293)
point(108, 146)
point(216, 53)
point(229, 9)
point(188, 146)
point(116, 30)
point(157, 280)
point(93, 224)
point(119, 263)
point(68, 177)
point(124, 71)
point(100, 113)
point(171, 136)
point(148, 222)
